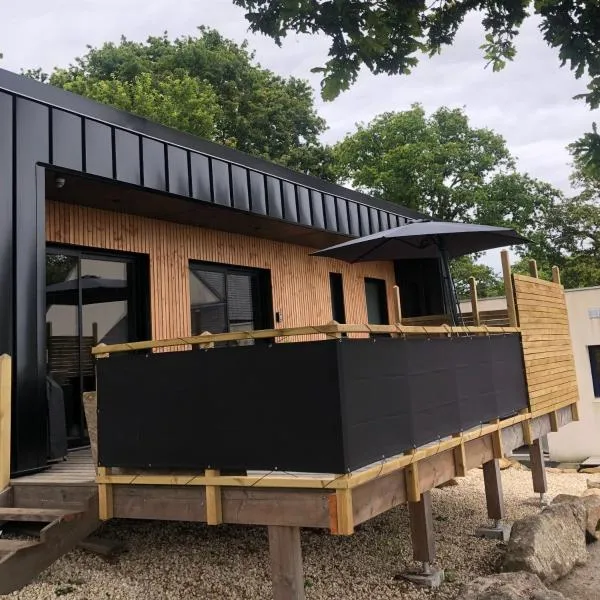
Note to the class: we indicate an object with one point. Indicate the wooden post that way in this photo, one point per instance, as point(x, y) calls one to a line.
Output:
point(556, 275)
point(421, 529)
point(508, 289)
point(5, 417)
point(533, 270)
point(105, 497)
point(474, 301)
point(398, 305)
point(538, 467)
point(214, 506)
point(493, 489)
point(286, 563)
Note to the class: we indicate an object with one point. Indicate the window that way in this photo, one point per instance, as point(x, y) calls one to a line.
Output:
point(595, 365)
point(377, 309)
point(225, 299)
point(336, 285)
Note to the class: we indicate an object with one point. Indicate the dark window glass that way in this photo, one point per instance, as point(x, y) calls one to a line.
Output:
point(225, 299)
point(338, 310)
point(595, 365)
point(365, 226)
point(373, 212)
point(342, 215)
point(89, 300)
point(377, 309)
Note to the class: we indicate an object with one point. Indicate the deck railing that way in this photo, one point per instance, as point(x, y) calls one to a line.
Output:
point(5, 417)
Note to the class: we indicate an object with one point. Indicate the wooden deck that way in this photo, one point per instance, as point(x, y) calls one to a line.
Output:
point(77, 469)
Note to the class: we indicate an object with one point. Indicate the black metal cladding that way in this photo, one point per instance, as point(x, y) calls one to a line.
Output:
point(42, 125)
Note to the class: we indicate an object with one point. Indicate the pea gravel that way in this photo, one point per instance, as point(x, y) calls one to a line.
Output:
point(180, 561)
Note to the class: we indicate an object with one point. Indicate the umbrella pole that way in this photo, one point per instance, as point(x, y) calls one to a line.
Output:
point(447, 285)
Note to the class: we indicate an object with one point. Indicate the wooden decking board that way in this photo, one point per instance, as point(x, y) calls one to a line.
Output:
point(76, 469)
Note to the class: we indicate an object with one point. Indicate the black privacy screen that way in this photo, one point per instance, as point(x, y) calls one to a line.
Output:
point(323, 407)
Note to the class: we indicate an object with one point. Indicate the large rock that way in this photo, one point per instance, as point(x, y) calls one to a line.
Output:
point(591, 503)
point(550, 543)
point(508, 586)
point(592, 483)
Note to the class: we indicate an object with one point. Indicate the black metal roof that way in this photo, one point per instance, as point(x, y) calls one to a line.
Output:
point(96, 139)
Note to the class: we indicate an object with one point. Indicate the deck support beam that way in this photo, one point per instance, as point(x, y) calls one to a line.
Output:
point(421, 529)
point(538, 468)
point(286, 563)
point(494, 497)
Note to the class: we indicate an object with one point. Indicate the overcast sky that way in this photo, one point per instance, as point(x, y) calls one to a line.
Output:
point(529, 103)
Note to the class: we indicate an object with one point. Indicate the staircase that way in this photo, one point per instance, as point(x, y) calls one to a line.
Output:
point(50, 533)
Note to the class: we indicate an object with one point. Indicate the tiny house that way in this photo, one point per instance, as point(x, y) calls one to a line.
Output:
point(237, 378)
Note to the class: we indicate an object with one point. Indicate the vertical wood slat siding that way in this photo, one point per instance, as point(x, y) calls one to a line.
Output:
point(300, 283)
point(547, 350)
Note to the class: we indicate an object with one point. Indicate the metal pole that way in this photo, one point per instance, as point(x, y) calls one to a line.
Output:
point(447, 285)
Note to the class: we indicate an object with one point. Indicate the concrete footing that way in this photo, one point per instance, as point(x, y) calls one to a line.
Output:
point(431, 578)
point(498, 532)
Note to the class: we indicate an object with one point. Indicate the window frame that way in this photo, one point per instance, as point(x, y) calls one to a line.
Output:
point(262, 304)
point(595, 369)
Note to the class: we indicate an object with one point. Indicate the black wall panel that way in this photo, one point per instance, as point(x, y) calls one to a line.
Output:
point(393, 221)
point(330, 212)
point(220, 179)
point(290, 210)
point(153, 164)
point(200, 177)
point(317, 209)
point(274, 198)
point(179, 175)
point(6, 224)
point(244, 421)
point(98, 149)
point(365, 225)
point(239, 180)
point(304, 209)
point(32, 146)
point(342, 215)
point(258, 193)
point(374, 220)
point(127, 157)
point(354, 222)
point(384, 220)
point(67, 147)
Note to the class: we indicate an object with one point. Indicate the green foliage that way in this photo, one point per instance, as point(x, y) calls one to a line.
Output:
point(442, 166)
point(387, 36)
point(489, 283)
point(208, 86)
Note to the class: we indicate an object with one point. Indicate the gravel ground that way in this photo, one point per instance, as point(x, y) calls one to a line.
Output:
point(175, 561)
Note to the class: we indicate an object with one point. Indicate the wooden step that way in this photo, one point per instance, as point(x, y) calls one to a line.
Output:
point(39, 515)
point(8, 547)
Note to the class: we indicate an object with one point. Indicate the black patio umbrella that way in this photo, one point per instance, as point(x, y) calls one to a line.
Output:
point(93, 290)
point(427, 239)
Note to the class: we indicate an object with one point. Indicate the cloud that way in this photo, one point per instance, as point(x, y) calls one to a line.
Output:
point(530, 103)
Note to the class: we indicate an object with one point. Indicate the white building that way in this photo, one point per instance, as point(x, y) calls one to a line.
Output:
point(581, 440)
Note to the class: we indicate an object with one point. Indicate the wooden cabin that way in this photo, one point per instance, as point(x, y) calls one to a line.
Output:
point(236, 378)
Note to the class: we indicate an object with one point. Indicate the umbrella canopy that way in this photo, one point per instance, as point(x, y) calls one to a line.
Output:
point(424, 239)
point(93, 290)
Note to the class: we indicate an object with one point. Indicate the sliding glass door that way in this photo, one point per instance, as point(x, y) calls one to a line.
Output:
point(90, 299)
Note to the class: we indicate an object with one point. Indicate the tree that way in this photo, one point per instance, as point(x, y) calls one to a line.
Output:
point(206, 85)
point(386, 36)
point(442, 166)
point(489, 283)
